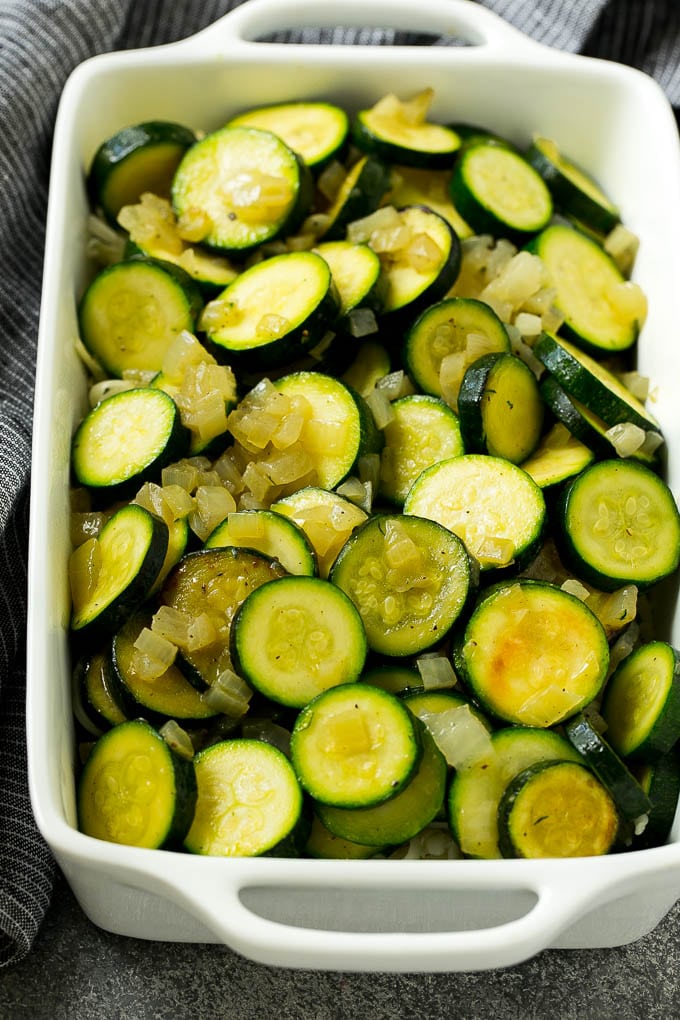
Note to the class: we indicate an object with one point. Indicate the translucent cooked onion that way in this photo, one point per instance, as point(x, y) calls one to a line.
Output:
point(173, 625)
point(461, 737)
point(423, 253)
point(528, 324)
point(152, 220)
point(637, 383)
point(628, 301)
point(436, 672)
point(229, 694)
point(381, 408)
point(626, 438)
point(385, 218)
point(270, 326)
point(107, 388)
point(357, 492)
point(213, 504)
point(331, 180)
point(177, 739)
point(574, 587)
point(104, 244)
point(622, 245)
point(284, 467)
point(362, 322)
point(368, 467)
point(157, 652)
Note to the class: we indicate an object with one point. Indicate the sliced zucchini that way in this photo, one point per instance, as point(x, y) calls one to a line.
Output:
point(428, 705)
point(324, 845)
point(98, 694)
point(500, 407)
point(248, 185)
point(360, 193)
point(423, 431)
point(556, 809)
point(629, 797)
point(126, 440)
point(492, 505)
point(574, 191)
point(111, 575)
point(592, 294)
point(167, 695)
point(134, 790)
point(558, 457)
point(273, 312)
point(445, 329)
point(589, 382)
point(401, 817)
point(142, 157)
point(133, 311)
point(660, 780)
point(395, 678)
point(295, 638)
point(355, 269)
point(618, 524)
point(425, 265)
point(498, 192)
point(341, 428)
point(316, 131)
point(213, 583)
point(269, 533)
point(249, 801)
point(178, 539)
point(154, 233)
point(533, 654)
point(408, 577)
point(326, 518)
point(475, 792)
point(641, 705)
point(412, 186)
point(399, 132)
point(370, 364)
point(354, 746)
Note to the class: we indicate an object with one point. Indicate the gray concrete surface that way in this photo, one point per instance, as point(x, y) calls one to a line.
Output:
point(78, 972)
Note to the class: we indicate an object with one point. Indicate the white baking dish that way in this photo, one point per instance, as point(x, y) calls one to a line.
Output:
point(365, 915)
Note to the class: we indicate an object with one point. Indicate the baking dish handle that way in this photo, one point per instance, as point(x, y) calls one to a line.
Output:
point(549, 907)
point(462, 19)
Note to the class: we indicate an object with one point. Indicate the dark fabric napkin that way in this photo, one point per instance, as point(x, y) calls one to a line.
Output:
point(40, 44)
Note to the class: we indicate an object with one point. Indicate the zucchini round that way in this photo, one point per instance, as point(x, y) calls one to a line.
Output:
point(423, 431)
point(574, 191)
point(269, 533)
point(641, 704)
point(629, 797)
point(316, 131)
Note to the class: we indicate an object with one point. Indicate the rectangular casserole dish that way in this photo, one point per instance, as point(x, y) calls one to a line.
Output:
point(350, 915)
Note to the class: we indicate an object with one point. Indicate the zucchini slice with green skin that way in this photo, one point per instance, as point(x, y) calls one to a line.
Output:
point(475, 792)
point(356, 273)
point(295, 638)
point(424, 704)
point(396, 679)
point(126, 440)
point(558, 457)
point(269, 533)
point(167, 696)
point(443, 329)
point(97, 692)
point(498, 192)
point(247, 183)
point(423, 431)
point(360, 193)
point(354, 746)
point(408, 577)
point(556, 809)
point(586, 380)
point(323, 845)
point(215, 582)
point(618, 523)
point(341, 428)
point(326, 518)
point(589, 286)
point(574, 191)
point(533, 654)
point(316, 131)
point(370, 364)
point(249, 800)
point(129, 554)
point(133, 311)
point(500, 408)
point(629, 797)
point(401, 817)
point(134, 790)
point(660, 780)
point(414, 279)
point(492, 505)
point(413, 186)
point(641, 704)
point(211, 272)
point(142, 157)
point(585, 426)
point(273, 312)
point(396, 138)
point(178, 539)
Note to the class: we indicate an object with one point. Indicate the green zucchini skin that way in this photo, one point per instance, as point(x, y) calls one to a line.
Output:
point(629, 797)
point(368, 137)
point(106, 610)
point(641, 704)
point(125, 816)
point(574, 192)
point(538, 830)
point(660, 780)
point(361, 192)
point(128, 163)
point(318, 132)
point(276, 536)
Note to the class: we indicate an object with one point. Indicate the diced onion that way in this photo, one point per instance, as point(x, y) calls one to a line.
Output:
point(574, 587)
point(381, 408)
point(461, 737)
point(362, 322)
point(436, 672)
point(626, 438)
point(177, 739)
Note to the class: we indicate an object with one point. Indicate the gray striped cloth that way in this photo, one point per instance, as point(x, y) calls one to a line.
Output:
point(40, 43)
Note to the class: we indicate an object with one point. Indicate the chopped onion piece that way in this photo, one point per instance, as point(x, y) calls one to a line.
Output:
point(368, 467)
point(626, 438)
point(385, 218)
point(107, 388)
point(331, 179)
point(158, 652)
point(105, 245)
point(359, 493)
point(653, 440)
point(392, 385)
point(172, 624)
point(362, 322)
point(623, 646)
point(213, 504)
point(637, 383)
point(423, 253)
point(271, 326)
point(436, 672)
point(528, 324)
point(461, 737)
point(177, 739)
point(381, 408)
point(622, 245)
point(182, 473)
point(91, 364)
point(628, 301)
point(574, 587)
point(230, 694)
point(592, 714)
point(202, 632)
point(640, 824)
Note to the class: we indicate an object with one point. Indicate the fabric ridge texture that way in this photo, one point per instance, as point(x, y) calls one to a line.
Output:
point(41, 42)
